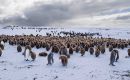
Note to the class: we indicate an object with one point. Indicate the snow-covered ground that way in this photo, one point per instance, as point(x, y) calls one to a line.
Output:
point(123, 33)
point(88, 67)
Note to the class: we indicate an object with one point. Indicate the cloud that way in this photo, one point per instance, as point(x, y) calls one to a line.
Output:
point(41, 15)
point(126, 17)
point(72, 12)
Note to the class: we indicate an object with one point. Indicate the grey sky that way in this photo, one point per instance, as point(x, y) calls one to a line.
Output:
point(99, 13)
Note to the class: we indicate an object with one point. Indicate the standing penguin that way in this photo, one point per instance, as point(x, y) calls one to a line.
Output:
point(63, 50)
point(50, 58)
point(112, 58)
point(26, 54)
point(97, 52)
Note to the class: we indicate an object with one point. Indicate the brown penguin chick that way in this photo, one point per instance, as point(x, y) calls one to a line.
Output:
point(37, 46)
point(122, 46)
point(77, 49)
point(82, 51)
point(0, 52)
point(19, 48)
point(55, 49)
point(114, 45)
point(64, 60)
point(47, 47)
point(32, 44)
point(118, 45)
point(91, 50)
point(43, 44)
point(70, 50)
point(102, 49)
point(33, 55)
point(126, 45)
point(86, 47)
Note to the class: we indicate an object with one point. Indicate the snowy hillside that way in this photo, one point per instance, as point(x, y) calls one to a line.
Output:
point(88, 67)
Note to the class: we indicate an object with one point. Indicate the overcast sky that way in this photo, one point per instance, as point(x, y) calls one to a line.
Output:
point(98, 13)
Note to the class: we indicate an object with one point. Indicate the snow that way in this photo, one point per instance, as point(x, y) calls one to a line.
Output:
point(88, 67)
